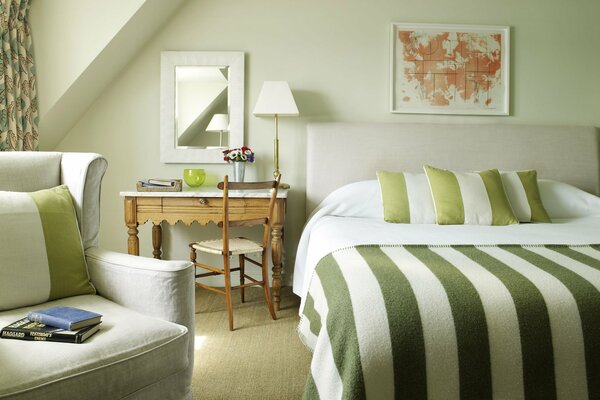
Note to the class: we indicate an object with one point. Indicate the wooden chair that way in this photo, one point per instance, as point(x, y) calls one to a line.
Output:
point(242, 247)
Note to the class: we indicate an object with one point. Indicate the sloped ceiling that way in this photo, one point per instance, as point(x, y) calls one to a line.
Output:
point(80, 46)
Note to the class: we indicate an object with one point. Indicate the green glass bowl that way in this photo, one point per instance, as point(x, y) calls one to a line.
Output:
point(194, 177)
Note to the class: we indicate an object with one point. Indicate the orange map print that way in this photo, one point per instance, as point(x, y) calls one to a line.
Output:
point(449, 68)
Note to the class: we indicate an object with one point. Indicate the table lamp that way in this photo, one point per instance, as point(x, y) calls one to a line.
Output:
point(219, 123)
point(276, 100)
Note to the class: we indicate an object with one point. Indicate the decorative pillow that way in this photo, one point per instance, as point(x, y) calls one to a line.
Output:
point(41, 252)
point(406, 198)
point(524, 196)
point(562, 200)
point(471, 198)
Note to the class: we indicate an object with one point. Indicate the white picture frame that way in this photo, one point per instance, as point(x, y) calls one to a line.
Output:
point(449, 69)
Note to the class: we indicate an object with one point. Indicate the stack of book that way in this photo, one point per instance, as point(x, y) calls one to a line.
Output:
point(54, 324)
point(154, 182)
point(159, 185)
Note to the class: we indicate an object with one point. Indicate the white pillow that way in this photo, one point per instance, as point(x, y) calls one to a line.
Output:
point(359, 199)
point(562, 200)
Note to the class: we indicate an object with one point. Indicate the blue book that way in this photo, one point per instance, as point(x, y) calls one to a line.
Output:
point(68, 318)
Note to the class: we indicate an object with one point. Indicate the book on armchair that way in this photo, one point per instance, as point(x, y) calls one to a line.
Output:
point(24, 329)
point(68, 318)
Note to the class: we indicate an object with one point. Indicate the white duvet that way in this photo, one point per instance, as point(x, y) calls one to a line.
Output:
point(353, 215)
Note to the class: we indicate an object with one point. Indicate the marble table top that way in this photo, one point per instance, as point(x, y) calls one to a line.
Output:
point(208, 191)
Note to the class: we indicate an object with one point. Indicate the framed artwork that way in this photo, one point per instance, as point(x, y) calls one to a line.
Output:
point(449, 69)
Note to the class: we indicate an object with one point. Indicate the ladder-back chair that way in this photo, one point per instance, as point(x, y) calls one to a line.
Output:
point(238, 246)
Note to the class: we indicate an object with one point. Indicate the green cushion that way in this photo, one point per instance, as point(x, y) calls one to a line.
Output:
point(473, 198)
point(406, 198)
point(41, 252)
point(524, 195)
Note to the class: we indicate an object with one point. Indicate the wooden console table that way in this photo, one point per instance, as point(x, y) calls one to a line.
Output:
point(203, 205)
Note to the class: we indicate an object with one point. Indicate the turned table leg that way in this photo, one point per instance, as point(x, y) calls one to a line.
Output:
point(277, 250)
point(157, 240)
point(133, 242)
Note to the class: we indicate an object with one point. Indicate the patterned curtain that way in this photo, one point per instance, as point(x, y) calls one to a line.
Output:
point(18, 98)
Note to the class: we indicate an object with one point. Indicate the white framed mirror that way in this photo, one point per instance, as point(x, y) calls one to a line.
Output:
point(201, 105)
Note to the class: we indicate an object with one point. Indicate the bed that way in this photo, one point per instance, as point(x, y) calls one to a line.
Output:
point(412, 311)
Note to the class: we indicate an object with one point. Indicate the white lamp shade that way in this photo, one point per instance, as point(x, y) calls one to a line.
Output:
point(275, 98)
point(218, 123)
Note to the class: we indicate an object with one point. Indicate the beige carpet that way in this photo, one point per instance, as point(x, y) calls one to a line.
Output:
point(260, 359)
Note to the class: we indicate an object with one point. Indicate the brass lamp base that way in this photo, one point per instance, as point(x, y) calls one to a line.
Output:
point(276, 154)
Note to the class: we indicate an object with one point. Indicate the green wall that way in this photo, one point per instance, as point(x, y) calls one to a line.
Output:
point(334, 54)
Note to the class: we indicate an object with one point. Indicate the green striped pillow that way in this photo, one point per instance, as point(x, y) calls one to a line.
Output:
point(470, 198)
point(41, 250)
point(406, 198)
point(524, 195)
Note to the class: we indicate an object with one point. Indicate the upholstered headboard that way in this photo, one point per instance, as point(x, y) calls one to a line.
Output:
point(340, 153)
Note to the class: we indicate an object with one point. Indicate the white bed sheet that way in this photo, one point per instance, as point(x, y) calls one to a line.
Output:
point(330, 233)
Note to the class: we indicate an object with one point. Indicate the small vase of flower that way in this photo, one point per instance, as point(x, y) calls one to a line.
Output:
point(239, 157)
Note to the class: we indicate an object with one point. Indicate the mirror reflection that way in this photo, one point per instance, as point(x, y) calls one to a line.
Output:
point(202, 106)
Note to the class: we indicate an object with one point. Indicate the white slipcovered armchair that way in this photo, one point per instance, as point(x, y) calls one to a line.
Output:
point(144, 349)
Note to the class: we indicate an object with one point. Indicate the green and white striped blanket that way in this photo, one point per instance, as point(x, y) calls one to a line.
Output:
point(450, 322)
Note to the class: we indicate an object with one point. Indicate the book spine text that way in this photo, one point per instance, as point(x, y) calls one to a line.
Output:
point(39, 336)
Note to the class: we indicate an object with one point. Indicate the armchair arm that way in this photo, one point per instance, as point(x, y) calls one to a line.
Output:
point(161, 289)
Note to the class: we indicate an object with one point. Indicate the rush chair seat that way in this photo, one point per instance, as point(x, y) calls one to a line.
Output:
point(238, 246)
